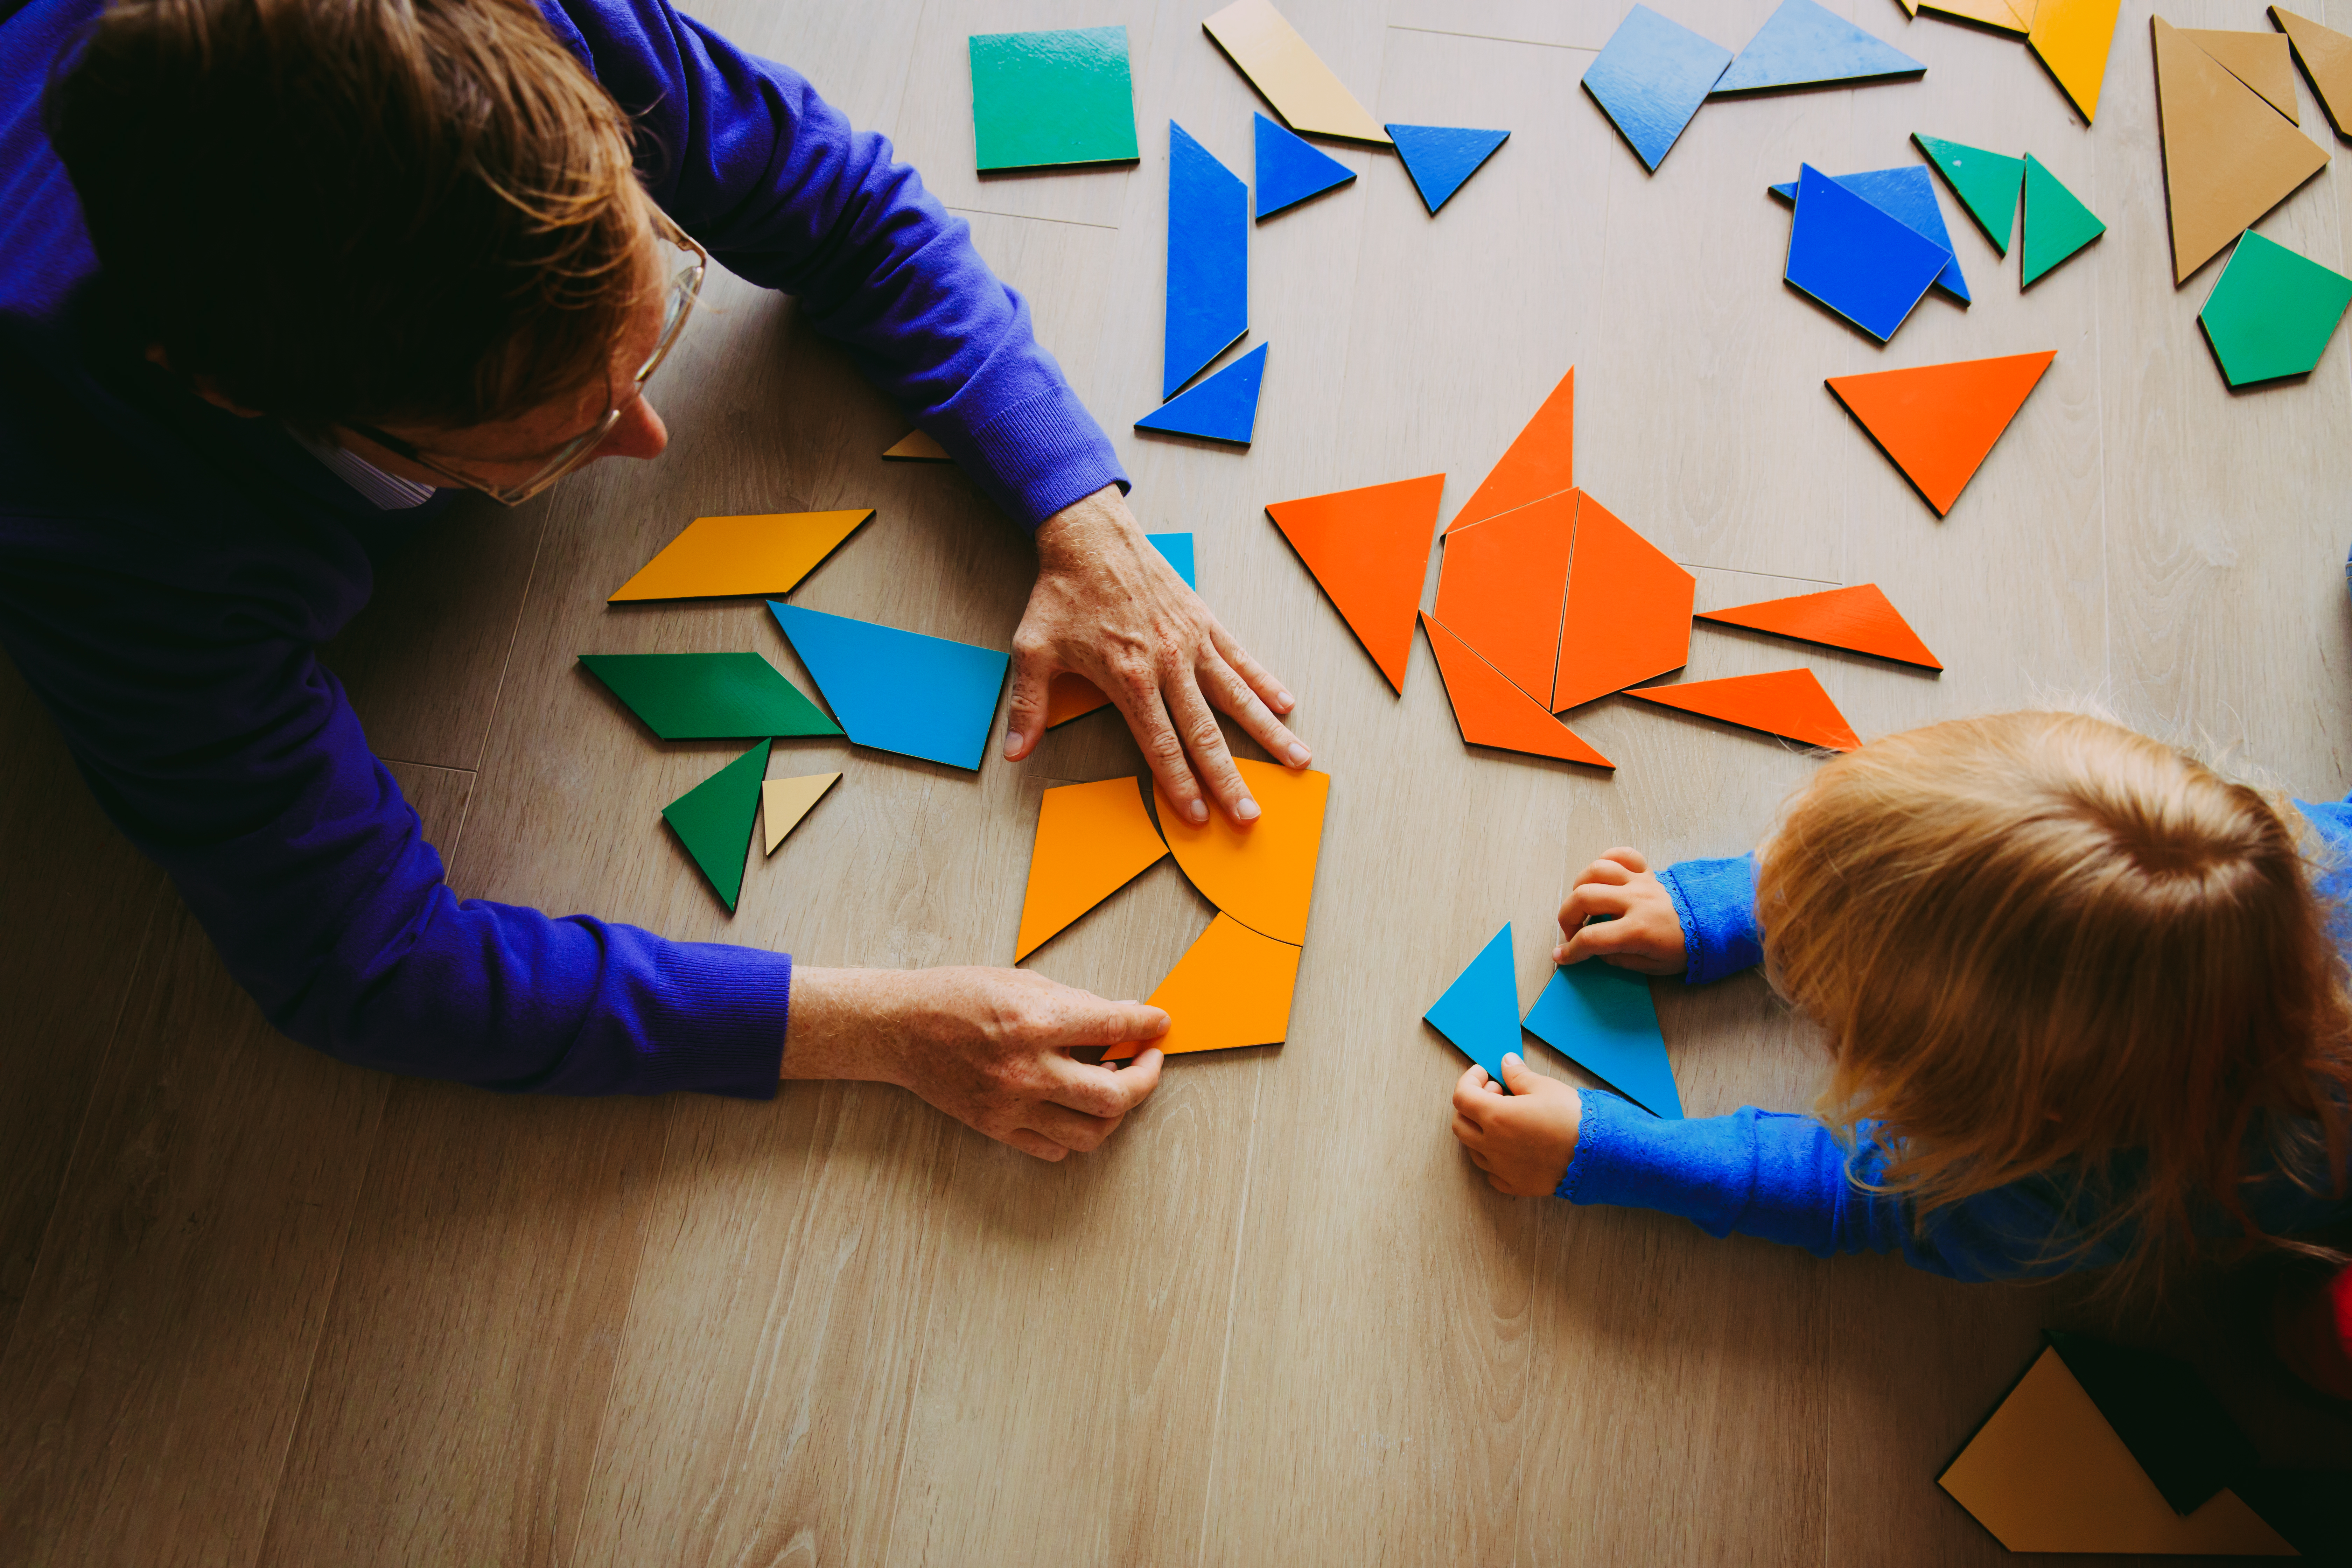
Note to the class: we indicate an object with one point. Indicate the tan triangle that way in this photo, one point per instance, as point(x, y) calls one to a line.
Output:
point(2228, 156)
point(783, 802)
point(2326, 57)
point(2262, 61)
point(1996, 14)
point(916, 447)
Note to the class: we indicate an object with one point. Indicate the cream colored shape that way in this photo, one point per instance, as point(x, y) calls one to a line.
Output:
point(2228, 156)
point(1998, 14)
point(783, 802)
point(1267, 49)
point(2264, 61)
point(916, 447)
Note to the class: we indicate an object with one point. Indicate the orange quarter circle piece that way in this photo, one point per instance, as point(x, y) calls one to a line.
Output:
point(1231, 988)
point(1262, 875)
point(1491, 711)
point(1788, 702)
point(1070, 695)
point(1627, 614)
point(1937, 423)
point(1541, 461)
point(1859, 619)
point(1500, 586)
point(1369, 548)
point(1092, 840)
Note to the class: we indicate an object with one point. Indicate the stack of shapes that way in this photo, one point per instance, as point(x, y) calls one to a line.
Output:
point(1855, 258)
point(2264, 61)
point(1987, 183)
point(2229, 155)
point(2326, 56)
point(1908, 195)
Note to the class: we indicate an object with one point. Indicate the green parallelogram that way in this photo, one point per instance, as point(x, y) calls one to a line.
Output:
point(709, 696)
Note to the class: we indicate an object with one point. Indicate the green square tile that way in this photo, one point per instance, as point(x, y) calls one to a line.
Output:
point(2271, 311)
point(1042, 99)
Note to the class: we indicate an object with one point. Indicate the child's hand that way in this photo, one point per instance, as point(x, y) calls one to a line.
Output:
point(1635, 925)
point(1523, 1139)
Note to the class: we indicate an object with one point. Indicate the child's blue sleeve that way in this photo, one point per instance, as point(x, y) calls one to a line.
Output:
point(1716, 901)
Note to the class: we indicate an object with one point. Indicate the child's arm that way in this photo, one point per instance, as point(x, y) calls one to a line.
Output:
point(1695, 919)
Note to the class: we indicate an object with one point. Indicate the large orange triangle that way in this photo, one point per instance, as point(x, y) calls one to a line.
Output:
point(1494, 712)
point(1541, 461)
point(1785, 702)
point(2228, 156)
point(1859, 619)
point(1370, 549)
point(1500, 584)
point(1627, 614)
point(1939, 422)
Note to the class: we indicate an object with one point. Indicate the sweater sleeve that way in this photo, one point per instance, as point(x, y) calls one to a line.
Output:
point(1716, 901)
point(210, 732)
point(746, 157)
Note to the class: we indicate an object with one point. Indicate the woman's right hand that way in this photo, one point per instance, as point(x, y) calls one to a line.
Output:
point(1619, 912)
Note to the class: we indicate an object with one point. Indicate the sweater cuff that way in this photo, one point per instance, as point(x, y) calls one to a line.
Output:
point(1608, 1150)
point(717, 1021)
point(1716, 901)
point(1039, 456)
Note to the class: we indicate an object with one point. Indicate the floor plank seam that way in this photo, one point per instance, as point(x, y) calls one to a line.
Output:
point(436, 767)
point(1232, 1309)
point(514, 639)
point(1032, 217)
point(1494, 38)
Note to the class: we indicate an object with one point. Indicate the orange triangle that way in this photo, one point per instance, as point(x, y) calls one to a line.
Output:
point(1092, 840)
point(1070, 695)
point(1231, 988)
point(2228, 156)
point(1859, 619)
point(916, 447)
point(1627, 616)
point(1785, 702)
point(1262, 875)
point(1370, 549)
point(1492, 711)
point(1541, 461)
point(1939, 422)
point(1500, 586)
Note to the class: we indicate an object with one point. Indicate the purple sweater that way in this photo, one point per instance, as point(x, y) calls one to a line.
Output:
point(167, 572)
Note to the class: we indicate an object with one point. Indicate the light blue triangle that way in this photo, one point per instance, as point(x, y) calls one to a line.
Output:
point(1802, 45)
point(1222, 409)
point(1178, 549)
point(1290, 169)
point(1440, 157)
point(1906, 195)
point(1601, 1018)
point(1650, 79)
point(896, 691)
point(1208, 260)
point(1480, 1011)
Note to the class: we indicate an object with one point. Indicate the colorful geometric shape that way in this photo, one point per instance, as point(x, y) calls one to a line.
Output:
point(1222, 408)
point(1997, 14)
point(2325, 56)
point(1368, 549)
point(1859, 619)
point(1907, 194)
point(1208, 260)
point(1860, 262)
point(1479, 1012)
point(1040, 100)
point(1070, 695)
point(1601, 1018)
point(1092, 840)
point(713, 820)
point(2179, 1433)
point(2264, 61)
point(2271, 311)
point(1501, 585)
point(709, 696)
point(1541, 461)
point(2057, 224)
point(1987, 183)
point(1290, 170)
point(915, 446)
point(899, 690)
point(1176, 549)
point(1491, 711)
point(1650, 79)
point(1440, 157)
point(2228, 156)
point(1231, 988)
point(1803, 44)
point(1937, 423)
point(1627, 616)
point(719, 556)
point(1787, 702)
point(783, 802)
point(1267, 49)
point(2072, 36)
point(1262, 875)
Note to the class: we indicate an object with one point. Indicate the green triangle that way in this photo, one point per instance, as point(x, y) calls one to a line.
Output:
point(713, 820)
point(2057, 225)
point(2271, 311)
point(1985, 182)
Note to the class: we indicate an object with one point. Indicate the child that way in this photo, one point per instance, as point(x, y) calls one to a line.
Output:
point(2083, 1004)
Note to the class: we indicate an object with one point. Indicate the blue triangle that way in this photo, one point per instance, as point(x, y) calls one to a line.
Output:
point(900, 692)
point(1908, 195)
point(1208, 260)
point(1222, 409)
point(1440, 157)
point(1601, 1018)
point(1651, 77)
point(1289, 170)
point(1480, 1011)
point(1802, 45)
point(1869, 268)
point(1178, 549)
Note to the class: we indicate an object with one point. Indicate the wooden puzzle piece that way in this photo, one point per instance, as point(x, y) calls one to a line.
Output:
point(1803, 44)
point(1262, 875)
point(2057, 224)
point(2072, 37)
point(709, 696)
point(1987, 183)
point(1440, 157)
point(1231, 988)
point(1601, 1018)
point(1859, 619)
point(1208, 260)
point(1290, 169)
point(900, 690)
point(2182, 1437)
point(1491, 711)
point(2271, 311)
point(1650, 79)
point(1627, 614)
point(2228, 156)
point(1040, 100)
point(1072, 695)
point(2264, 61)
point(1222, 408)
point(1265, 47)
point(1541, 461)
point(1997, 14)
point(2326, 56)
point(1500, 586)
point(1369, 549)
point(916, 447)
point(1906, 195)
point(1860, 262)
point(1786, 703)
point(713, 821)
point(1937, 423)
point(1479, 1014)
point(716, 557)
point(783, 802)
point(1092, 840)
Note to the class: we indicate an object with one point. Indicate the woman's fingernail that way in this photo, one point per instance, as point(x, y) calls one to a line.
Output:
point(1197, 812)
point(1246, 810)
point(1299, 755)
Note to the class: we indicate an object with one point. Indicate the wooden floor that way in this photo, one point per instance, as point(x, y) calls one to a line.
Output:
point(260, 1307)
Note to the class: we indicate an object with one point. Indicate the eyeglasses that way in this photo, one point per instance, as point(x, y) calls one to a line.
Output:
point(685, 287)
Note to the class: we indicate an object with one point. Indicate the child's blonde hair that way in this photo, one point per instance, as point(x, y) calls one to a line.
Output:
point(2039, 942)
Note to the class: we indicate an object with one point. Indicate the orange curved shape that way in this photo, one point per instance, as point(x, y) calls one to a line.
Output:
point(1500, 586)
point(1491, 711)
point(1627, 616)
point(1262, 875)
point(1541, 461)
point(1231, 988)
point(1937, 423)
point(1092, 840)
point(1783, 702)
point(1858, 618)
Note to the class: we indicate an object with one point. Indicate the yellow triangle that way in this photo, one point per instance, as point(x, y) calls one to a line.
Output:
point(2262, 61)
point(783, 802)
point(1997, 13)
point(2072, 36)
point(720, 556)
point(2228, 156)
point(916, 447)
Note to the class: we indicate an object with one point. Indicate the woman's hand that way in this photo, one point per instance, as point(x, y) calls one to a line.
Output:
point(1619, 912)
point(1523, 1139)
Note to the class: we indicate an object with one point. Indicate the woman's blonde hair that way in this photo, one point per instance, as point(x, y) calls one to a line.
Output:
point(2042, 944)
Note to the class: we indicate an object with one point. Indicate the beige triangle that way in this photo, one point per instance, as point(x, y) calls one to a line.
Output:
point(783, 802)
point(1997, 13)
point(2261, 60)
point(2326, 57)
point(916, 447)
point(2228, 156)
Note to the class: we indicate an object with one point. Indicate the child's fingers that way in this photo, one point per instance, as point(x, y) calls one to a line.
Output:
point(1599, 940)
point(1594, 898)
point(1468, 1098)
point(1467, 1131)
point(1628, 857)
point(1606, 871)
